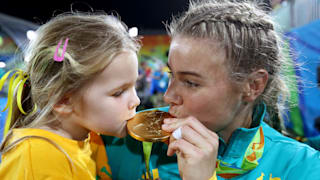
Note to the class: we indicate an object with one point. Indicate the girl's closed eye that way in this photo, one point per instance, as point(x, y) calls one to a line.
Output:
point(118, 93)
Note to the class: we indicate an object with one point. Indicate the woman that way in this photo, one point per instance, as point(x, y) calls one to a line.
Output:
point(226, 65)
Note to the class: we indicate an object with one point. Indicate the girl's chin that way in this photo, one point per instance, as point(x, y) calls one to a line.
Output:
point(122, 134)
point(119, 134)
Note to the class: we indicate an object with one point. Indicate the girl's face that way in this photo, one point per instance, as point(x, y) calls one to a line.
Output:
point(110, 99)
point(200, 85)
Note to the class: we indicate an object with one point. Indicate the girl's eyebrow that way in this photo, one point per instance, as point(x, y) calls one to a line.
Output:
point(122, 86)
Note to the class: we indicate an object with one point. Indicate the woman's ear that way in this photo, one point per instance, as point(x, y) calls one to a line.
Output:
point(254, 87)
point(64, 106)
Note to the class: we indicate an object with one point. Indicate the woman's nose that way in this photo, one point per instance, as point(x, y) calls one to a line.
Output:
point(171, 96)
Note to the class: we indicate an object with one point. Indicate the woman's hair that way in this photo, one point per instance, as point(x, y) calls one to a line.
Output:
point(93, 42)
point(247, 35)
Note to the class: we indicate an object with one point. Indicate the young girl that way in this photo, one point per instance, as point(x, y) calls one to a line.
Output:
point(80, 80)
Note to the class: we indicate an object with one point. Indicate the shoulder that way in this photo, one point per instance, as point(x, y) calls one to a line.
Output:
point(40, 144)
point(289, 148)
point(40, 156)
point(275, 138)
point(16, 162)
point(313, 142)
point(286, 158)
point(43, 148)
point(34, 158)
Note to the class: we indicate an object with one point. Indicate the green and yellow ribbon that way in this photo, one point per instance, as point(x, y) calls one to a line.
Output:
point(16, 83)
point(147, 148)
point(250, 160)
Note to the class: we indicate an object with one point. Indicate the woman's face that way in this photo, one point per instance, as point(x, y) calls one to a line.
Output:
point(200, 84)
point(110, 99)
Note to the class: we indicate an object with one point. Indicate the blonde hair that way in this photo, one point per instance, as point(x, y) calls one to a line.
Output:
point(247, 35)
point(94, 40)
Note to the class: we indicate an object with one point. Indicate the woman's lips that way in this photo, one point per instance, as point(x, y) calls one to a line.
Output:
point(173, 113)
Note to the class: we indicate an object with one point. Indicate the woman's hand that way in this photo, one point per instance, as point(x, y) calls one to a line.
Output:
point(196, 148)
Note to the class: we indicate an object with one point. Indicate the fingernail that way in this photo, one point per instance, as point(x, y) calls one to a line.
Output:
point(167, 120)
point(165, 126)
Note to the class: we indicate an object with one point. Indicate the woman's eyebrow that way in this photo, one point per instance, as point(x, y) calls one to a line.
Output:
point(186, 72)
point(190, 73)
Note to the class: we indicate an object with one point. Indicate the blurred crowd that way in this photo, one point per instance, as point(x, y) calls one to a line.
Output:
point(152, 83)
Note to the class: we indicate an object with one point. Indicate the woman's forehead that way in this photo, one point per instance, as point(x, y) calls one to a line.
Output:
point(191, 51)
point(189, 56)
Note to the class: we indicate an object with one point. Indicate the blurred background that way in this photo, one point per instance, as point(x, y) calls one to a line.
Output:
point(298, 21)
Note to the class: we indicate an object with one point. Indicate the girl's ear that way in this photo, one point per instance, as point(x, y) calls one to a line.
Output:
point(254, 87)
point(64, 106)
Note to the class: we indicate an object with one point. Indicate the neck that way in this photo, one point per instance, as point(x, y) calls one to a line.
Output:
point(241, 119)
point(67, 130)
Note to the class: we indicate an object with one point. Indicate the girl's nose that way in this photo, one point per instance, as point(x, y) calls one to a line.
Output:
point(135, 100)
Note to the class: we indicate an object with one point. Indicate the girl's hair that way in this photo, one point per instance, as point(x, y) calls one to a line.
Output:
point(247, 35)
point(94, 40)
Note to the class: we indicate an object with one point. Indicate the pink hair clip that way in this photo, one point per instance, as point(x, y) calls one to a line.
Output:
point(56, 57)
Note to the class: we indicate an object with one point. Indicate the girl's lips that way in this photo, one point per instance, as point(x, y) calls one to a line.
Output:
point(131, 116)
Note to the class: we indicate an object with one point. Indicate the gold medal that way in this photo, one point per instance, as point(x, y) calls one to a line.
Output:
point(146, 126)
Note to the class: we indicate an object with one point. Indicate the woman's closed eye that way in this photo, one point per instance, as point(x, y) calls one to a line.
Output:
point(190, 84)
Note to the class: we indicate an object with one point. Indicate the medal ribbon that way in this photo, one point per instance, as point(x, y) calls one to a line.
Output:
point(250, 160)
point(147, 147)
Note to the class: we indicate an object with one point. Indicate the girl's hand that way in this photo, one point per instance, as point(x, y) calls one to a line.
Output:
point(196, 148)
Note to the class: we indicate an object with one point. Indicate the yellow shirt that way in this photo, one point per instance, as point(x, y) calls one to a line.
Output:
point(38, 158)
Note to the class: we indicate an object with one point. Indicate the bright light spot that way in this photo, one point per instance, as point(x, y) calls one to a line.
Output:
point(31, 34)
point(27, 58)
point(133, 32)
point(2, 64)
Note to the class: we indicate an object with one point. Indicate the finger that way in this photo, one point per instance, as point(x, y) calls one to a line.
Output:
point(172, 124)
point(169, 120)
point(200, 128)
point(190, 135)
point(182, 148)
point(168, 124)
point(190, 158)
point(206, 142)
point(214, 135)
